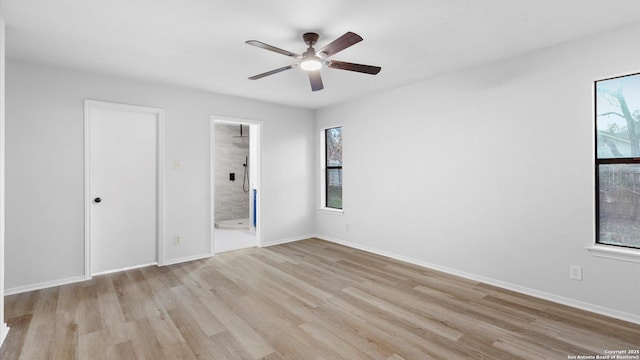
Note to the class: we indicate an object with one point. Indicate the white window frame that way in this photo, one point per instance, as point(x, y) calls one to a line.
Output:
point(323, 173)
point(595, 248)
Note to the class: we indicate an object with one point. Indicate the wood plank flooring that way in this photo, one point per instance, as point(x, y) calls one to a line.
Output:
point(305, 300)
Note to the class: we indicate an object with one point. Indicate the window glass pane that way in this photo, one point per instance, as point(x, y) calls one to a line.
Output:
point(618, 117)
point(619, 199)
point(334, 188)
point(334, 146)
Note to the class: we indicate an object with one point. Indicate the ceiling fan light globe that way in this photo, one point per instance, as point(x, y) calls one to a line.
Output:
point(311, 64)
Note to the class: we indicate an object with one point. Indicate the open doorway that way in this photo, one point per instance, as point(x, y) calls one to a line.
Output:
point(235, 188)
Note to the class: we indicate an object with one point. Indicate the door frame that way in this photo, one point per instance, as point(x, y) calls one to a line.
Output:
point(4, 329)
point(254, 125)
point(159, 114)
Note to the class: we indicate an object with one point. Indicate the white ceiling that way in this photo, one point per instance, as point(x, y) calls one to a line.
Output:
point(200, 43)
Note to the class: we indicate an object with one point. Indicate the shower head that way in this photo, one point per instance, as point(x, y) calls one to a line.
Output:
point(241, 135)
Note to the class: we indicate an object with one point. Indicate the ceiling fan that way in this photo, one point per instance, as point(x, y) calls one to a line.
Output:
point(312, 60)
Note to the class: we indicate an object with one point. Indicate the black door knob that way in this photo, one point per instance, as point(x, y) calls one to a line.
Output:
point(97, 200)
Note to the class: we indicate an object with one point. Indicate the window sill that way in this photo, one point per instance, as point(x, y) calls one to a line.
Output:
point(331, 211)
point(612, 252)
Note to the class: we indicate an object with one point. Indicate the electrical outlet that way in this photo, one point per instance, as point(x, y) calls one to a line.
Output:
point(177, 240)
point(347, 227)
point(575, 272)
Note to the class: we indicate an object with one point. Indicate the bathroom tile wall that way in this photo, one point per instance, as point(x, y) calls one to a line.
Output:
point(230, 152)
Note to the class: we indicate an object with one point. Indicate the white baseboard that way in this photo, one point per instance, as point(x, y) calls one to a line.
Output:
point(186, 258)
point(75, 279)
point(287, 240)
point(43, 285)
point(4, 331)
point(505, 285)
point(125, 269)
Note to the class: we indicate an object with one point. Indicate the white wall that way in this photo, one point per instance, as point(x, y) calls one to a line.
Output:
point(488, 172)
point(44, 168)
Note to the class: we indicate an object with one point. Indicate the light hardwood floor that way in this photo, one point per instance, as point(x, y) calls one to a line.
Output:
point(305, 300)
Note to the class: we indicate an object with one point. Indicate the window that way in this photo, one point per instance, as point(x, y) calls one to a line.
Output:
point(617, 111)
point(333, 168)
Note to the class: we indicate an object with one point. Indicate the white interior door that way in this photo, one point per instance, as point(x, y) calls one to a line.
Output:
point(122, 188)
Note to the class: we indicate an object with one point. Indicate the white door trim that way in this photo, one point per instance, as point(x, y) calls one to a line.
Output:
point(4, 329)
point(213, 119)
point(159, 113)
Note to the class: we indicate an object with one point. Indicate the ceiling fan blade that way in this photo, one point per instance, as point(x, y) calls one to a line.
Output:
point(262, 45)
point(367, 69)
point(340, 44)
point(260, 76)
point(316, 80)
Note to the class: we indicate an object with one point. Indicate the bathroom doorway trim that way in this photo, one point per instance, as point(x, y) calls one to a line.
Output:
point(255, 127)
